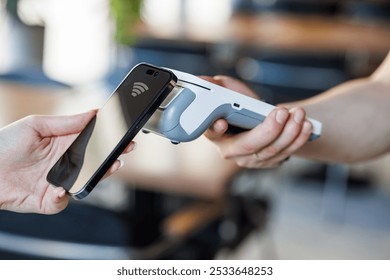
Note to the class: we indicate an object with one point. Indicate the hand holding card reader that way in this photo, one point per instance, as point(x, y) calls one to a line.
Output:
point(134, 101)
point(178, 105)
point(194, 104)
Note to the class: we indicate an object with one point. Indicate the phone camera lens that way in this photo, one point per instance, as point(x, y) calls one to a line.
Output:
point(156, 74)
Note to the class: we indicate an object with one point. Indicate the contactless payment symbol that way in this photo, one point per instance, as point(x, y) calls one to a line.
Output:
point(138, 88)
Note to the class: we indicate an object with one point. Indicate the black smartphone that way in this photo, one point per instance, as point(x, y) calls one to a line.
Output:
point(128, 108)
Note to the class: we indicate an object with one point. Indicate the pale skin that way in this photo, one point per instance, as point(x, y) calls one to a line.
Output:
point(28, 149)
point(355, 117)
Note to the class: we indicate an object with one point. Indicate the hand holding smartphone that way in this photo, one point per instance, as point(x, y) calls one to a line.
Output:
point(136, 98)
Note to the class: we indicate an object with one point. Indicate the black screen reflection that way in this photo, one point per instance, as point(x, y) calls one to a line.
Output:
point(67, 169)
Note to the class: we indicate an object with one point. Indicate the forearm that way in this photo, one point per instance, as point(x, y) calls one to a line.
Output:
point(355, 118)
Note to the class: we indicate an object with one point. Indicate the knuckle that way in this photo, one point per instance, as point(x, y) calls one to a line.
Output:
point(249, 148)
point(270, 151)
point(272, 130)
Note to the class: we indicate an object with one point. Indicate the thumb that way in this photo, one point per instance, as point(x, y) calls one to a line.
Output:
point(48, 126)
point(216, 130)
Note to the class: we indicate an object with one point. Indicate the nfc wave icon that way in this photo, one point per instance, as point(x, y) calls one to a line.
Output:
point(139, 88)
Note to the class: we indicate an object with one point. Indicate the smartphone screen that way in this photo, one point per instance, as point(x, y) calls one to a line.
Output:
point(106, 136)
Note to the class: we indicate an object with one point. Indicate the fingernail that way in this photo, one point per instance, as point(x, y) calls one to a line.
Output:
point(134, 146)
point(281, 116)
point(307, 127)
point(298, 115)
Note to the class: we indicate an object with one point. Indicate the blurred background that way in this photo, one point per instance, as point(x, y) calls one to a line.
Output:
point(184, 201)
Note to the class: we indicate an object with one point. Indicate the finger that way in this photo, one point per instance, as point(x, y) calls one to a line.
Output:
point(255, 162)
point(118, 164)
point(252, 161)
point(131, 147)
point(61, 125)
point(290, 132)
point(248, 143)
point(216, 130)
point(58, 201)
point(301, 140)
